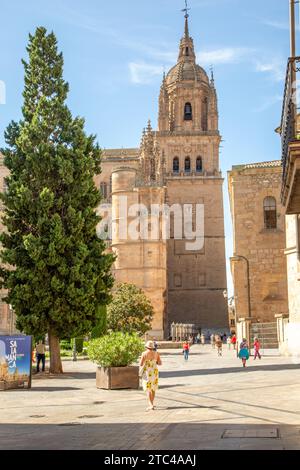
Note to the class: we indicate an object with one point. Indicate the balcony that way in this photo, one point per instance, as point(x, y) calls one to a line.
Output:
point(290, 137)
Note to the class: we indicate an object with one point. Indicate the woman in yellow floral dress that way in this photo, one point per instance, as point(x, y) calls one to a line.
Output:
point(149, 372)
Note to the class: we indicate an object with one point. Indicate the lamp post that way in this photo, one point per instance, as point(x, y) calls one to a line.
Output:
point(74, 350)
point(238, 258)
point(225, 295)
point(11, 319)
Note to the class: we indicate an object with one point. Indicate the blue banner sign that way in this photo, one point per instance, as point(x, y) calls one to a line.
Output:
point(15, 361)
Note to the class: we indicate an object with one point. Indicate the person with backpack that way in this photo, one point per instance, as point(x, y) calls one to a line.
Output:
point(244, 352)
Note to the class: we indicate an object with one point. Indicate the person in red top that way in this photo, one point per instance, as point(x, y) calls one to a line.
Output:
point(256, 346)
point(186, 349)
point(233, 341)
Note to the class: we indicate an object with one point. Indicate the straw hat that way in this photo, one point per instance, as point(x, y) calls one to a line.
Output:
point(150, 345)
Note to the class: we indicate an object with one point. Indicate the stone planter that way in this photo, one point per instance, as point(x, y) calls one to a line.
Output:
point(112, 378)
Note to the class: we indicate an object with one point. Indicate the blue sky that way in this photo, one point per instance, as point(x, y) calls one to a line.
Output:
point(115, 53)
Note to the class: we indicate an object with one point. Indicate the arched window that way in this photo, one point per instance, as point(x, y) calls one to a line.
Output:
point(176, 165)
point(187, 165)
point(188, 114)
point(199, 165)
point(270, 213)
point(187, 51)
point(103, 190)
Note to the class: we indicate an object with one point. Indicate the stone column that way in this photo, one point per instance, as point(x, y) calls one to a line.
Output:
point(281, 320)
point(243, 329)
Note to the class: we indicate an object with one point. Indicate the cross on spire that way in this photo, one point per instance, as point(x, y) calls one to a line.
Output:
point(186, 9)
point(186, 28)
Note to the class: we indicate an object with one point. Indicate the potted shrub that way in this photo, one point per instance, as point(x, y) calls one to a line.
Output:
point(114, 354)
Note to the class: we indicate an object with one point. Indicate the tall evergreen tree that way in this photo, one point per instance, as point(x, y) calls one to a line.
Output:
point(56, 271)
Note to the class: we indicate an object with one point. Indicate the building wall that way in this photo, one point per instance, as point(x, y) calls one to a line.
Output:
point(7, 318)
point(249, 185)
point(197, 279)
point(141, 261)
point(293, 266)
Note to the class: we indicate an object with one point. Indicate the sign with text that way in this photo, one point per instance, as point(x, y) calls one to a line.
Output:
point(15, 361)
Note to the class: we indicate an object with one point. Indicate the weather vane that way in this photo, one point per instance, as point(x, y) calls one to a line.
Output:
point(186, 9)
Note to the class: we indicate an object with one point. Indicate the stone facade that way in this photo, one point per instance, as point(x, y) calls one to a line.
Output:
point(177, 164)
point(289, 325)
point(293, 265)
point(259, 235)
point(7, 317)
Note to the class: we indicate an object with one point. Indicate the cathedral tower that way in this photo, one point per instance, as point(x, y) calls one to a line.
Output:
point(176, 165)
point(189, 138)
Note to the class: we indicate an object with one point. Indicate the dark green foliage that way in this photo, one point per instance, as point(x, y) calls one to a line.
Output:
point(59, 274)
point(65, 344)
point(101, 327)
point(130, 310)
point(79, 344)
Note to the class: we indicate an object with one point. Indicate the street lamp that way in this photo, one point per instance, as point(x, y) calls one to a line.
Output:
point(11, 319)
point(225, 295)
point(238, 258)
point(74, 350)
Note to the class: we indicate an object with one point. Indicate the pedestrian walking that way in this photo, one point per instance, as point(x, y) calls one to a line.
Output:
point(40, 356)
point(212, 341)
point(256, 346)
point(224, 339)
point(233, 341)
point(186, 349)
point(149, 363)
point(219, 344)
point(244, 351)
point(198, 338)
point(203, 339)
point(229, 342)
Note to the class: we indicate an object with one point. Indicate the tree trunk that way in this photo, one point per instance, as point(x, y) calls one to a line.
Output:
point(55, 360)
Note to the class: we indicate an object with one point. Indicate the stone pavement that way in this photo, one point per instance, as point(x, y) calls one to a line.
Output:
point(207, 403)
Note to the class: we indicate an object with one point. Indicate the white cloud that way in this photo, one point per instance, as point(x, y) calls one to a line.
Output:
point(268, 103)
point(275, 67)
point(227, 55)
point(2, 92)
point(278, 24)
point(143, 74)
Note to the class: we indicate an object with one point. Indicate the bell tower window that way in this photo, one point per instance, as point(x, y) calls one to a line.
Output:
point(187, 51)
point(187, 165)
point(199, 165)
point(176, 165)
point(188, 114)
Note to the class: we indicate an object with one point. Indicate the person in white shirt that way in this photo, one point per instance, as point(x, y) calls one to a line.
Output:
point(40, 356)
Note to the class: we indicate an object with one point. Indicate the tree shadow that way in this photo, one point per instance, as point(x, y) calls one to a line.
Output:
point(147, 435)
point(229, 370)
point(45, 389)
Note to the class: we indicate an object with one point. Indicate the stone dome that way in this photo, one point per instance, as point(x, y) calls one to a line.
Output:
point(186, 70)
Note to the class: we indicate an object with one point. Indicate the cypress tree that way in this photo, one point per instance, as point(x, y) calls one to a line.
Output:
point(55, 267)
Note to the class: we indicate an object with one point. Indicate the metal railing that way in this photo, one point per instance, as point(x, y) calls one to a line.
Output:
point(288, 129)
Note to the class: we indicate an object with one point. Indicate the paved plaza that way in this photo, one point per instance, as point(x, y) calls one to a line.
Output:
point(207, 403)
